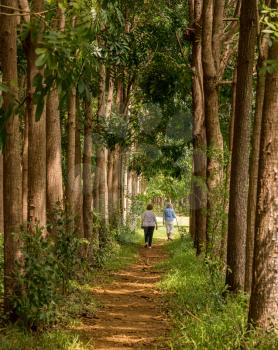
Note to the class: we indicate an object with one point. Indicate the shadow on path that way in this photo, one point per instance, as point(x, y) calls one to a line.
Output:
point(131, 315)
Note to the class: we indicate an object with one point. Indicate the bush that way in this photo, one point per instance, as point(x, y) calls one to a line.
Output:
point(67, 246)
point(203, 318)
point(48, 262)
point(36, 278)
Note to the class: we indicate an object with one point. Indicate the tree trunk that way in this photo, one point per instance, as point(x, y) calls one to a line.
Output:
point(129, 198)
point(254, 165)
point(115, 185)
point(198, 198)
point(25, 170)
point(70, 186)
point(78, 196)
point(87, 171)
point(110, 166)
point(36, 135)
point(227, 170)
point(96, 185)
point(1, 194)
point(124, 170)
point(199, 136)
point(53, 153)
point(212, 29)
point(263, 303)
point(240, 154)
point(54, 177)
point(110, 162)
point(12, 185)
point(102, 152)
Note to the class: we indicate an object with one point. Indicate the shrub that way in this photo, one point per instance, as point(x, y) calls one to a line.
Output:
point(36, 278)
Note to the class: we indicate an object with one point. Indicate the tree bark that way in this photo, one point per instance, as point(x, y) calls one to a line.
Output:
point(70, 186)
point(263, 309)
point(12, 185)
point(102, 152)
point(1, 194)
point(115, 185)
point(240, 154)
point(254, 165)
point(96, 185)
point(211, 58)
point(36, 135)
point(87, 171)
point(129, 199)
point(199, 135)
point(110, 162)
point(54, 176)
point(53, 153)
point(78, 196)
point(25, 170)
point(224, 236)
point(110, 166)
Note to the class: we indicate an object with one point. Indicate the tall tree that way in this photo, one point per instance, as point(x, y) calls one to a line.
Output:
point(87, 170)
point(78, 187)
point(54, 190)
point(71, 125)
point(213, 13)
point(102, 150)
point(12, 185)
point(263, 309)
point(53, 152)
point(199, 194)
point(1, 194)
point(240, 152)
point(36, 128)
point(254, 163)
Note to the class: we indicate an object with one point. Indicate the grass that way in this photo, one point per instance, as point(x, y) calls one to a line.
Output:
point(202, 318)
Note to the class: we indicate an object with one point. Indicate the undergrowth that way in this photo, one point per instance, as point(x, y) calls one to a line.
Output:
point(202, 318)
point(74, 307)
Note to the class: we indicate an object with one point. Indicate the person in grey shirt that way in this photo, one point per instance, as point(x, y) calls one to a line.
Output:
point(149, 222)
point(168, 218)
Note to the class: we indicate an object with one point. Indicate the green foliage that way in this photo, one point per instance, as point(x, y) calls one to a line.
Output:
point(67, 246)
point(124, 234)
point(269, 19)
point(167, 187)
point(47, 265)
point(15, 338)
point(36, 279)
point(203, 319)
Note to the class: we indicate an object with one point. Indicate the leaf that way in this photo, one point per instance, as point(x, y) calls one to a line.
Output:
point(3, 88)
point(81, 86)
point(39, 109)
point(37, 80)
point(41, 60)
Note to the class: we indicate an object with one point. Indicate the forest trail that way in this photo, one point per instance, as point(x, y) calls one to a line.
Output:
point(131, 315)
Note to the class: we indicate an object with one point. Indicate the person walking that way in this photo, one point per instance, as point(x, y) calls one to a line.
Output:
point(149, 222)
point(168, 219)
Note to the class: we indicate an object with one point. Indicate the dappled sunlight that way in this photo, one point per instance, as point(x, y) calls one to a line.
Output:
point(130, 313)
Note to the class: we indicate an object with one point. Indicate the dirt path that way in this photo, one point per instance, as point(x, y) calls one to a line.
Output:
point(131, 316)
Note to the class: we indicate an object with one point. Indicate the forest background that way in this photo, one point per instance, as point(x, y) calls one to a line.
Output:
point(108, 105)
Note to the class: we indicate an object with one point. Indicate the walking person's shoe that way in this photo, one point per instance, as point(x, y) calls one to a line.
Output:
point(146, 245)
point(149, 246)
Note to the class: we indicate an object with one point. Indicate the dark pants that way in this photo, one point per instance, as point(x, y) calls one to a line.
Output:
point(148, 232)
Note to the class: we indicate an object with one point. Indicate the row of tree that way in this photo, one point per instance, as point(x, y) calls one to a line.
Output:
point(79, 84)
point(245, 188)
point(95, 94)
